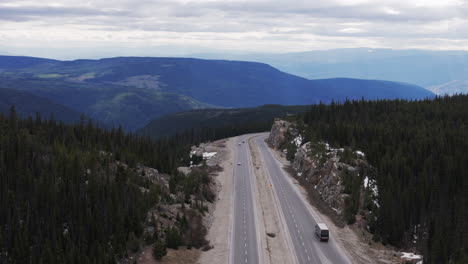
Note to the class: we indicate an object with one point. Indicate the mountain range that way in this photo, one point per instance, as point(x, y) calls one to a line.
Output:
point(132, 91)
point(427, 68)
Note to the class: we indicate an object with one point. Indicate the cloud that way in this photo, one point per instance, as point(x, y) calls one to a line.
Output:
point(249, 25)
point(24, 13)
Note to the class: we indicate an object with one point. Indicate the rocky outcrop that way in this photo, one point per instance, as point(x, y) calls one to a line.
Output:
point(318, 164)
point(280, 131)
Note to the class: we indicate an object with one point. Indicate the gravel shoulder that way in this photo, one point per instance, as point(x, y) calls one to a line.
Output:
point(219, 220)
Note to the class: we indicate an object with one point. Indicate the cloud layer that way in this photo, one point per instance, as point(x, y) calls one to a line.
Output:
point(243, 25)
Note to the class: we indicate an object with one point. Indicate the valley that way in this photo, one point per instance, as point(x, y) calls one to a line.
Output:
point(173, 165)
point(233, 132)
point(132, 91)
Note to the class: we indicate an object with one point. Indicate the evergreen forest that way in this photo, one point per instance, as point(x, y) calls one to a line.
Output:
point(420, 150)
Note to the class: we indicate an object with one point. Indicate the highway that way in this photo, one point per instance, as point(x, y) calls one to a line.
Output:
point(296, 214)
point(244, 244)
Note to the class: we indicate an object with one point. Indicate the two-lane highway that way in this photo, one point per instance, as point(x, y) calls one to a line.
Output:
point(244, 245)
point(299, 220)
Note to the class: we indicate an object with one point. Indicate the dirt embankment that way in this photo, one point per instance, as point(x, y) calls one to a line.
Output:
point(215, 220)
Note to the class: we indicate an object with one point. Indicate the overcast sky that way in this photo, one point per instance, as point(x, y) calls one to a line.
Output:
point(100, 28)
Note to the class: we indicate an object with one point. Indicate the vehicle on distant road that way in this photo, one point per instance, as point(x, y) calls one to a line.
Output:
point(321, 230)
point(238, 163)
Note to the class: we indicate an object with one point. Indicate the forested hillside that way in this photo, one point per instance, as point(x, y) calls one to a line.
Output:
point(28, 105)
point(81, 194)
point(420, 151)
point(232, 121)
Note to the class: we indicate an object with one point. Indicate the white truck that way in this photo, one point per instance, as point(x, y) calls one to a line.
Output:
point(322, 232)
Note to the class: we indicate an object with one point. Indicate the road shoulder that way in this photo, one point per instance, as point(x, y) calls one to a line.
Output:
point(219, 231)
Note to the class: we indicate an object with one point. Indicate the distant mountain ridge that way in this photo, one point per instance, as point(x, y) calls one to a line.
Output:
point(134, 90)
point(16, 62)
point(27, 105)
point(426, 68)
point(452, 87)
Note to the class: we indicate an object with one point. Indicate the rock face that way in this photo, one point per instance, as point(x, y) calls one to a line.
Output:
point(317, 163)
point(320, 166)
point(280, 131)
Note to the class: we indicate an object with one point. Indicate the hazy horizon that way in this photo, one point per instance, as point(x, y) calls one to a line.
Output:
point(64, 29)
point(64, 54)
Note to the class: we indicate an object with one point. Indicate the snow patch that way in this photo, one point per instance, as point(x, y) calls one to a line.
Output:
point(360, 153)
point(297, 141)
point(208, 155)
point(410, 255)
point(372, 185)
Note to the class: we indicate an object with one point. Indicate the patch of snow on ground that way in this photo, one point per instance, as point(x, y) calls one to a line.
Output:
point(360, 153)
point(193, 152)
point(372, 184)
point(297, 141)
point(208, 155)
point(410, 255)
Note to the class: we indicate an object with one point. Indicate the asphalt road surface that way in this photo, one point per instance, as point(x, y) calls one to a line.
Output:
point(299, 220)
point(244, 245)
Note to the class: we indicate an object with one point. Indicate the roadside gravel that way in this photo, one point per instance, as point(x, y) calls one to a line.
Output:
point(220, 218)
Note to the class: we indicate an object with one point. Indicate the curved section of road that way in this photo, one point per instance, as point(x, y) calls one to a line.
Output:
point(244, 243)
point(299, 220)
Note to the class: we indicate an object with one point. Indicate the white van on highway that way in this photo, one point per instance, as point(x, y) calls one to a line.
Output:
point(321, 230)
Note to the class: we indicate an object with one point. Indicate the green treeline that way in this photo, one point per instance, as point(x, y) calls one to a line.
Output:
point(205, 134)
point(420, 149)
point(72, 194)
